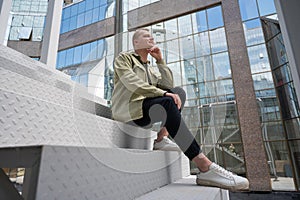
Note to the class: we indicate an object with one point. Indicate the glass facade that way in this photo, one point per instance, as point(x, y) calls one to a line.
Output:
point(286, 147)
point(27, 20)
point(86, 12)
point(265, 85)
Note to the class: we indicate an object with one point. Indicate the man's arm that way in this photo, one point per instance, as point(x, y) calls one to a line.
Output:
point(166, 82)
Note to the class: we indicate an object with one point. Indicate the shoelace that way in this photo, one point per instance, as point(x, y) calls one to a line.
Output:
point(223, 171)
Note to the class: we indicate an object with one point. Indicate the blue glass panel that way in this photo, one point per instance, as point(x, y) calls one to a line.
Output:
point(73, 23)
point(103, 2)
point(80, 20)
point(81, 7)
point(61, 59)
point(101, 47)
point(95, 15)
point(69, 57)
point(204, 68)
point(221, 66)
point(65, 27)
point(97, 3)
point(266, 7)
point(93, 54)
point(253, 32)
point(102, 12)
point(86, 52)
point(89, 4)
point(88, 17)
point(214, 17)
point(200, 23)
point(248, 9)
point(77, 54)
point(74, 10)
point(66, 13)
point(217, 39)
point(185, 26)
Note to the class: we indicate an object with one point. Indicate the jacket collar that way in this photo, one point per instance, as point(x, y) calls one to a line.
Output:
point(137, 56)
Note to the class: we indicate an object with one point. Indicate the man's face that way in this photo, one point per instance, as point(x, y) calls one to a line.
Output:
point(144, 41)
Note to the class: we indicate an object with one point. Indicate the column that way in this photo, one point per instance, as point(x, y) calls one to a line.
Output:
point(255, 157)
point(5, 7)
point(51, 33)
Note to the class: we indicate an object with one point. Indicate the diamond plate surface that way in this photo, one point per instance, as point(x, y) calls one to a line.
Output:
point(74, 173)
point(84, 156)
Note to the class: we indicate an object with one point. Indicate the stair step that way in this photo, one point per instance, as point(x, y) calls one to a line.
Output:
point(186, 188)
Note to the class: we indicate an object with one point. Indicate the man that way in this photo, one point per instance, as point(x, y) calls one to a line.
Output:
point(142, 96)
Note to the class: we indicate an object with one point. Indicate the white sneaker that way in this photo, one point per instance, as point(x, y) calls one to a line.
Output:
point(166, 145)
point(219, 177)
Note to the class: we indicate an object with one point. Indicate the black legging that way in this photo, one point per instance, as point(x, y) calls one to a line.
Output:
point(164, 109)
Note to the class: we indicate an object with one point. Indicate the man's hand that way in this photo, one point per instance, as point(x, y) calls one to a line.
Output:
point(155, 53)
point(176, 99)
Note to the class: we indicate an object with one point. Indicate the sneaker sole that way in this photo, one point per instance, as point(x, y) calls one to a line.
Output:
point(213, 184)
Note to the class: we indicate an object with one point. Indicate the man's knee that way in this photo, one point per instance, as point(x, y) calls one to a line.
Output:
point(180, 92)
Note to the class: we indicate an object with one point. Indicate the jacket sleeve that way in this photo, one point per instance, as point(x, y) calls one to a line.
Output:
point(166, 81)
point(131, 81)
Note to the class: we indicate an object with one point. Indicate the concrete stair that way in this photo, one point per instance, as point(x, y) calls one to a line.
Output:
point(70, 147)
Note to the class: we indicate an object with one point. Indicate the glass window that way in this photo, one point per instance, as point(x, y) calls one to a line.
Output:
point(37, 34)
point(221, 66)
point(224, 87)
point(266, 7)
point(102, 12)
point(175, 68)
point(93, 54)
point(192, 91)
point(204, 68)
point(66, 13)
point(171, 29)
point(80, 20)
point(263, 81)
point(202, 46)
point(187, 48)
point(259, 60)
point(25, 33)
point(253, 32)
point(277, 50)
point(189, 72)
point(101, 48)
point(185, 25)
point(69, 57)
point(207, 89)
point(199, 21)
point(288, 101)
point(88, 17)
point(218, 40)
point(74, 10)
point(95, 17)
point(86, 48)
point(77, 54)
point(292, 128)
point(81, 7)
point(214, 17)
point(172, 51)
point(282, 75)
point(65, 26)
point(248, 9)
point(61, 59)
point(89, 4)
point(73, 23)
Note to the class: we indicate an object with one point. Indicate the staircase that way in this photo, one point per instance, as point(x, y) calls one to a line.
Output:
point(69, 146)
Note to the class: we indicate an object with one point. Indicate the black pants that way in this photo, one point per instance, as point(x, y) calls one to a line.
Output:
point(164, 109)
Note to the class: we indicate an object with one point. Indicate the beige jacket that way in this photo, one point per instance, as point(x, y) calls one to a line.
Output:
point(131, 85)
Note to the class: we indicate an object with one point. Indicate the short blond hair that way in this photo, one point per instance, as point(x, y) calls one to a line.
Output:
point(138, 33)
